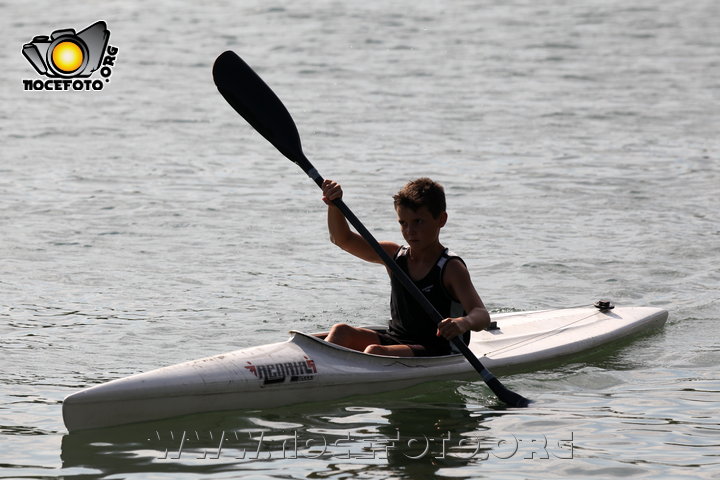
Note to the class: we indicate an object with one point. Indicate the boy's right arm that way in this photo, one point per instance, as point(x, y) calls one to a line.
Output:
point(340, 233)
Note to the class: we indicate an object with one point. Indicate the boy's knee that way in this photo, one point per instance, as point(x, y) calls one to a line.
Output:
point(341, 332)
point(341, 328)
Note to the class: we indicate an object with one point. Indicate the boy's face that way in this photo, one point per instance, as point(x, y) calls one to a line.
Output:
point(418, 227)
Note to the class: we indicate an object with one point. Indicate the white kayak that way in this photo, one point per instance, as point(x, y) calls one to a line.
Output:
point(305, 368)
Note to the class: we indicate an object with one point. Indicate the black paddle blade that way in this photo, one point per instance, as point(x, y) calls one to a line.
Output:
point(246, 92)
point(506, 396)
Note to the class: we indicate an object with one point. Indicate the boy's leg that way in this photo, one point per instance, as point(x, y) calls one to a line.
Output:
point(391, 350)
point(352, 337)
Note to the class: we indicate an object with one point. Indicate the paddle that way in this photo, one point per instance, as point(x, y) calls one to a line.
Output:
point(245, 91)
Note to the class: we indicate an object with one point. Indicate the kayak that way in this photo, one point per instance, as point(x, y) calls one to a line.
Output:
point(305, 368)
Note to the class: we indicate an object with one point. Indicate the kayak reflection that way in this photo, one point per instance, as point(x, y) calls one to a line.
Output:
point(320, 439)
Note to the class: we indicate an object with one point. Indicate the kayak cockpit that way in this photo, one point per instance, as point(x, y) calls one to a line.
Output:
point(318, 339)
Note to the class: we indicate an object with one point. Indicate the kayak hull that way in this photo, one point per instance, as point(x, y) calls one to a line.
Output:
point(305, 368)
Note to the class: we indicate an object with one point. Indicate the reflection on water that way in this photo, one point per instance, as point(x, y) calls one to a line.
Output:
point(413, 432)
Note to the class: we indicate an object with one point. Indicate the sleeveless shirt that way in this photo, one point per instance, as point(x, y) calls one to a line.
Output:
point(409, 323)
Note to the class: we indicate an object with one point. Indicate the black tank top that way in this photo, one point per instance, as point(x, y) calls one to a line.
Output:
point(409, 323)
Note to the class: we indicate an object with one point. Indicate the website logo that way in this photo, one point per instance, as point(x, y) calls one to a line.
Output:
point(68, 57)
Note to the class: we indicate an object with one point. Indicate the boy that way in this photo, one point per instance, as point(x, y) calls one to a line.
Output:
point(440, 275)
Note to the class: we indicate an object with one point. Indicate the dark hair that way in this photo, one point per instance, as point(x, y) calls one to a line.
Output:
point(422, 192)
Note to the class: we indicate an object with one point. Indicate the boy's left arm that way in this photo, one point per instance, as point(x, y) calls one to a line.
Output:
point(458, 282)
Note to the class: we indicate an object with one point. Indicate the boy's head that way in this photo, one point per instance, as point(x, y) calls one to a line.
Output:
point(422, 192)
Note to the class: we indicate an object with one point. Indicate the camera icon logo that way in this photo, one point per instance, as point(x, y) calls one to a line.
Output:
point(67, 54)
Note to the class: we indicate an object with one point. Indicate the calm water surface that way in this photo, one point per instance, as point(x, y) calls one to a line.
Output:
point(146, 225)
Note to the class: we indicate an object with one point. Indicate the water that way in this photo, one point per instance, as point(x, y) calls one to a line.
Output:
point(146, 225)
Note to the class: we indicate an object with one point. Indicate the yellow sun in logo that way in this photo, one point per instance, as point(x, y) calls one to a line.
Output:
point(67, 56)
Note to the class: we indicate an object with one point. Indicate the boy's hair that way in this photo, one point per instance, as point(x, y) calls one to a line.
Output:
point(422, 192)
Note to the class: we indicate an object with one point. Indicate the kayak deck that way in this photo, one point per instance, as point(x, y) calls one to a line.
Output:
point(530, 337)
point(305, 368)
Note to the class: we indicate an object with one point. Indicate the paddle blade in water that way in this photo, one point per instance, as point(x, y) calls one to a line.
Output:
point(506, 396)
point(246, 92)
